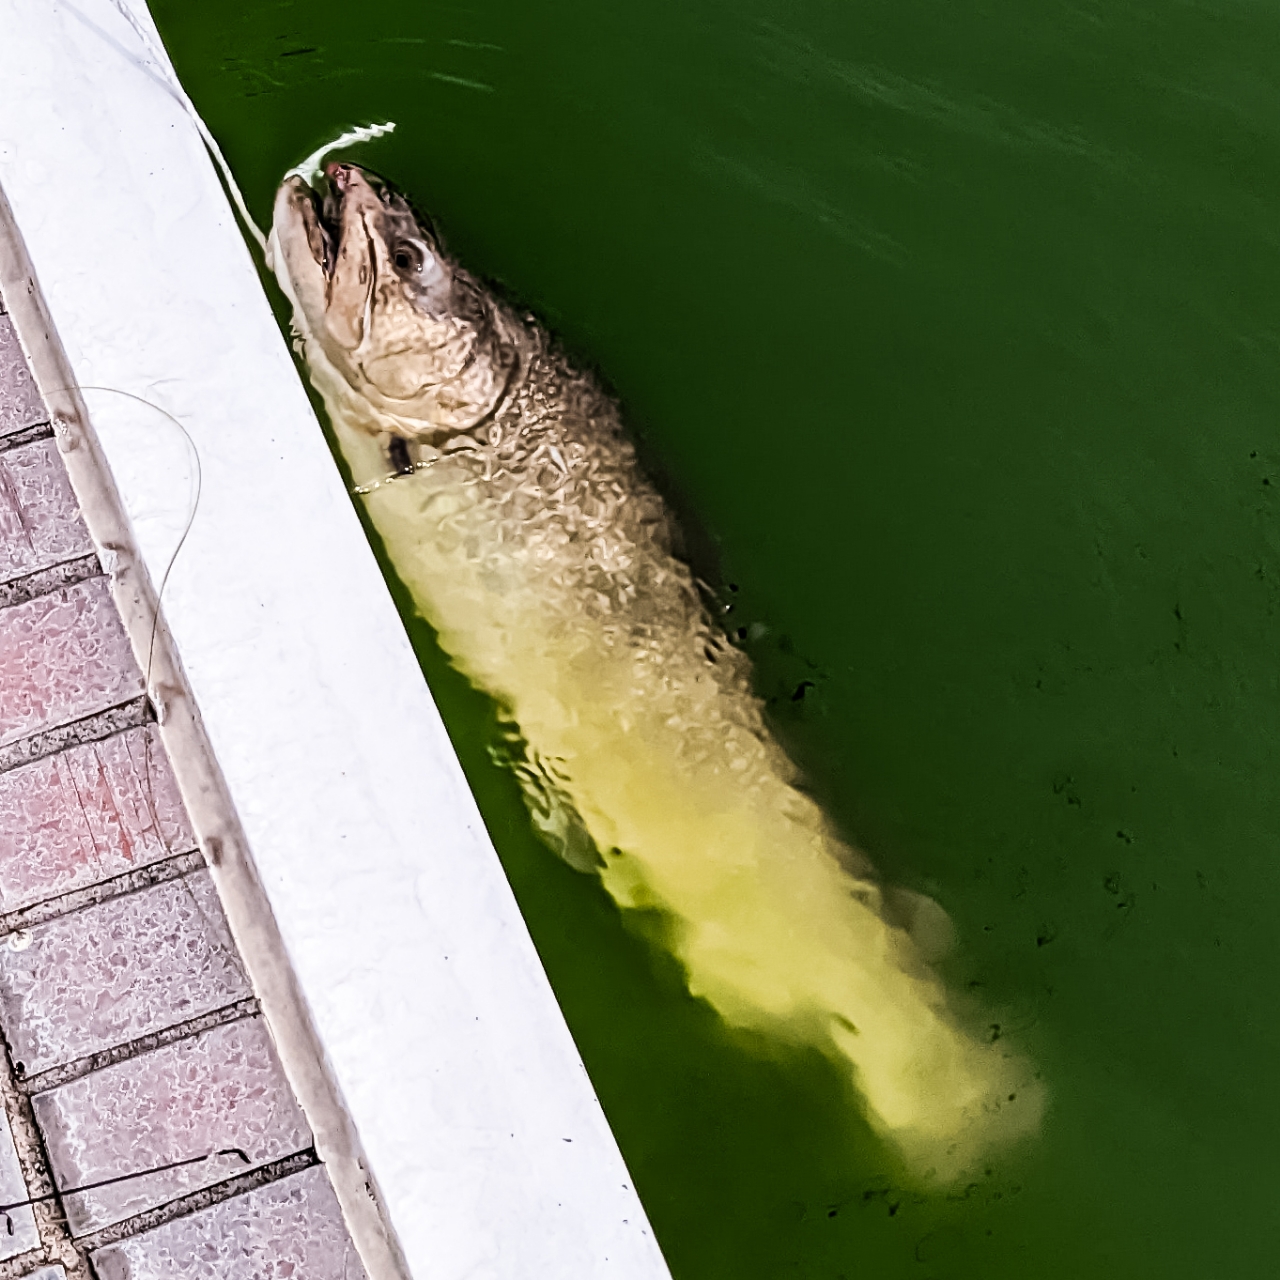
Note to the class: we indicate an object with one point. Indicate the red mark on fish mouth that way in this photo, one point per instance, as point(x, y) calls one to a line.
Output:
point(339, 175)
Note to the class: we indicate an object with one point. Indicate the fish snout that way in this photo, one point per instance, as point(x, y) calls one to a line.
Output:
point(339, 174)
point(348, 178)
point(352, 190)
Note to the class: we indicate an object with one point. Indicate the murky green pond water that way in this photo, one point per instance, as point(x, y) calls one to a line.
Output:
point(954, 329)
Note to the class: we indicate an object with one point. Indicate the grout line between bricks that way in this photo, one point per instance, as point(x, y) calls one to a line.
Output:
point(23, 1264)
point(209, 805)
point(166, 869)
point(33, 1159)
point(68, 1071)
point(25, 435)
point(201, 1199)
point(223, 1189)
point(43, 581)
point(45, 1200)
point(102, 724)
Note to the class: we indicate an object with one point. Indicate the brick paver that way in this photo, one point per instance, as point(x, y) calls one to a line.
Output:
point(18, 1231)
point(117, 971)
point(109, 943)
point(40, 522)
point(291, 1228)
point(218, 1090)
point(63, 656)
point(88, 814)
point(20, 403)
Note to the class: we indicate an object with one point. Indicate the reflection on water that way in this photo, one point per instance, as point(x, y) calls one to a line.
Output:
point(512, 506)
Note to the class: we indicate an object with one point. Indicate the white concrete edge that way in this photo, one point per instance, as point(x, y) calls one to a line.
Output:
point(209, 807)
point(431, 1011)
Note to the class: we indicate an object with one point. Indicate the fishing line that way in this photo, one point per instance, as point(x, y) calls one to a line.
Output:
point(308, 170)
point(164, 581)
point(6, 1209)
point(191, 515)
point(215, 930)
point(161, 64)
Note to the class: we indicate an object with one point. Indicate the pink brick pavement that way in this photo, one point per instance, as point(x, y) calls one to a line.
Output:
point(20, 403)
point(63, 656)
point(127, 1016)
point(40, 524)
point(211, 1092)
point(290, 1228)
point(117, 971)
point(18, 1230)
point(87, 814)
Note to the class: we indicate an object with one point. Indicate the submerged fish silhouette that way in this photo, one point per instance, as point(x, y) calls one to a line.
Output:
point(512, 506)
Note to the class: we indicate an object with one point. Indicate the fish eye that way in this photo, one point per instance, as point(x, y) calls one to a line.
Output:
point(407, 257)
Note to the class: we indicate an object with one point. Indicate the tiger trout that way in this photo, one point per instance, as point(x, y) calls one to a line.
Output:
point(513, 507)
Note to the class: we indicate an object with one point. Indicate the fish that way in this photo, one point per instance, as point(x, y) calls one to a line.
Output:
point(513, 506)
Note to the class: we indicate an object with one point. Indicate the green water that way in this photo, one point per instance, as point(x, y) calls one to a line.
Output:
point(954, 330)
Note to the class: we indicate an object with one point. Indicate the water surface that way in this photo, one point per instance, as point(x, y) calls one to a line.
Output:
point(954, 330)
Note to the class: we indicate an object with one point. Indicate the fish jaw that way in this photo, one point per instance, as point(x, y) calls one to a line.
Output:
point(291, 256)
point(418, 365)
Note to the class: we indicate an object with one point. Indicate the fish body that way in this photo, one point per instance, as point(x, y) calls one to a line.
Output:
point(512, 505)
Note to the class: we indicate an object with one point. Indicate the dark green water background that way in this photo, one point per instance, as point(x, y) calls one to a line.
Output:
point(955, 329)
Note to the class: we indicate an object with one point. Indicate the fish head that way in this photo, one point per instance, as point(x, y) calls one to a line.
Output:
point(420, 340)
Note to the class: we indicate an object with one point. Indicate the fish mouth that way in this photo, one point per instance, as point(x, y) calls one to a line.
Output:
point(320, 207)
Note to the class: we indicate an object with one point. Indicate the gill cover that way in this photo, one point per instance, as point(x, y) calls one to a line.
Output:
point(403, 325)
